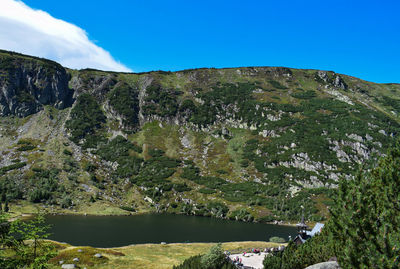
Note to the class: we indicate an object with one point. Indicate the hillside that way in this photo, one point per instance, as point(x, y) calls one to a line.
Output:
point(241, 143)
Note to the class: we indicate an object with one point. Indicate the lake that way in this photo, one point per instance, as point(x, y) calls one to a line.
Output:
point(116, 231)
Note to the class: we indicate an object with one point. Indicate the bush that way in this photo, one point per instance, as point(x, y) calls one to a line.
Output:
point(5, 169)
point(305, 95)
point(66, 201)
point(128, 208)
point(181, 187)
point(207, 191)
point(241, 214)
point(215, 258)
point(67, 152)
point(26, 147)
point(276, 239)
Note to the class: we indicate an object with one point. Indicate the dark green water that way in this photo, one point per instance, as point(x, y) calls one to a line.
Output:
point(115, 231)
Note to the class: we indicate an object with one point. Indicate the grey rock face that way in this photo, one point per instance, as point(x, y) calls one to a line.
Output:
point(322, 75)
point(27, 86)
point(324, 265)
point(339, 83)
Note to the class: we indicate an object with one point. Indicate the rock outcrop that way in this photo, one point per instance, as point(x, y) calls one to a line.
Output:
point(325, 265)
point(27, 85)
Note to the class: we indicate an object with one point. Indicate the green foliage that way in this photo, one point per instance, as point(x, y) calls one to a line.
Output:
point(44, 186)
point(155, 152)
point(117, 148)
point(241, 214)
point(317, 249)
point(66, 201)
point(161, 101)
point(14, 166)
point(10, 189)
point(124, 99)
point(277, 239)
point(394, 103)
point(215, 258)
point(128, 208)
point(195, 263)
point(363, 231)
point(366, 220)
point(219, 102)
point(86, 120)
point(181, 187)
point(154, 173)
point(277, 84)
point(67, 152)
point(305, 95)
point(207, 191)
point(25, 147)
point(25, 240)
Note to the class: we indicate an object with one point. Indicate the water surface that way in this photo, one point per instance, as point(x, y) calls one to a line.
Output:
point(115, 231)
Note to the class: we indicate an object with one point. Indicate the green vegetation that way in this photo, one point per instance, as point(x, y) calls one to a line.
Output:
point(161, 101)
point(213, 259)
point(363, 231)
point(252, 144)
point(277, 239)
point(23, 245)
point(17, 165)
point(305, 95)
point(124, 100)
point(86, 121)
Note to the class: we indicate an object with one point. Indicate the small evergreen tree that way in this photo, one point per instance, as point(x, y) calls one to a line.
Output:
point(366, 218)
point(28, 244)
point(215, 258)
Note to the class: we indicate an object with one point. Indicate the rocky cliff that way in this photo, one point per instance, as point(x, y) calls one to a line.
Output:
point(27, 84)
point(241, 143)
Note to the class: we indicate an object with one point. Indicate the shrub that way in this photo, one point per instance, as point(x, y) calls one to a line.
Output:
point(215, 258)
point(26, 147)
point(128, 208)
point(5, 169)
point(276, 239)
point(67, 152)
point(207, 191)
point(181, 187)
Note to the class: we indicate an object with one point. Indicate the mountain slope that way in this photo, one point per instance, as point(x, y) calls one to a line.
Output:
point(243, 143)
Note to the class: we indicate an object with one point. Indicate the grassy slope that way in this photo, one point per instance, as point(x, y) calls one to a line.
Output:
point(210, 153)
point(146, 255)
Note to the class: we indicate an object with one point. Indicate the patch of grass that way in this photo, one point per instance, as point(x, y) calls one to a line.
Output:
point(158, 256)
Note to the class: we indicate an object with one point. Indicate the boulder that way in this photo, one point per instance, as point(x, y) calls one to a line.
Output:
point(325, 265)
point(68, 266)
point(76, 259)
point(98, 255)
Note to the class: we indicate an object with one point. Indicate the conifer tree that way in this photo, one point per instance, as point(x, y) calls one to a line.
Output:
point(366, 218)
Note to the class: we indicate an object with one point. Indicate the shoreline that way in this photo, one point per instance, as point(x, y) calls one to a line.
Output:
point(30, 213)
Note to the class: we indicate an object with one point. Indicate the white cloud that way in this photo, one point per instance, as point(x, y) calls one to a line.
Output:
point(35, 32)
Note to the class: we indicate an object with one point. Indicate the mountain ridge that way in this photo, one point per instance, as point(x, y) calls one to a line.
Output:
point(242, 143)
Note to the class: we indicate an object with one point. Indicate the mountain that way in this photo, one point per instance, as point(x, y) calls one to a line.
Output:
point(251, 143)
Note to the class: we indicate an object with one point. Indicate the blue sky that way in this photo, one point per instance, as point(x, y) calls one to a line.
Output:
point(359, 38)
